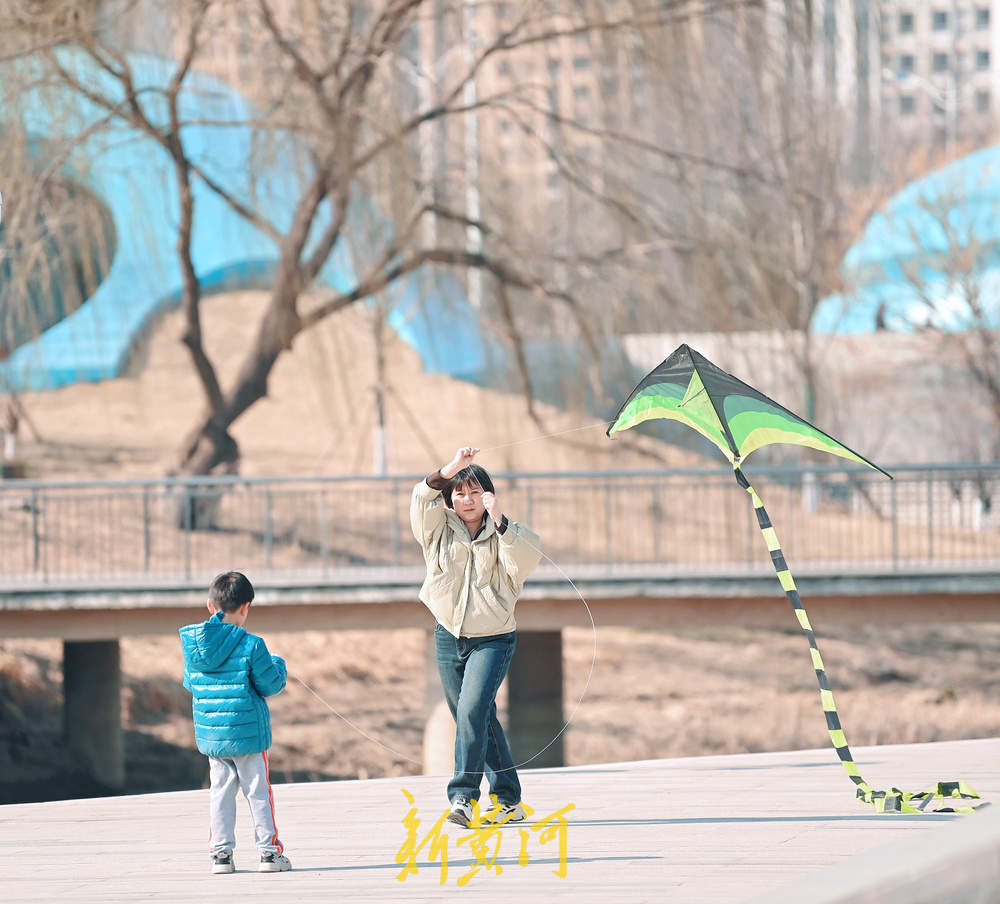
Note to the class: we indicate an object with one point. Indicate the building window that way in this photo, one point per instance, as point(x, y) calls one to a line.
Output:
point(905, 23)
point(939, 20)
point(982, 60)
point(907, 105)
point(983, 18)
point(581, 62)
point(581, 91)
point(907, 63)
point(983, 100)
point(505, 124)
point(939, 62)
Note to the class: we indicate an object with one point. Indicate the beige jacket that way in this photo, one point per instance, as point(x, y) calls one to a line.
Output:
point(471, 585)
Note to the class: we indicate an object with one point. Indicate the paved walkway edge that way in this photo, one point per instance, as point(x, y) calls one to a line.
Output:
point(960, 864)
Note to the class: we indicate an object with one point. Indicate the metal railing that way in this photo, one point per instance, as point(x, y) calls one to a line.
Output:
point(670, 521)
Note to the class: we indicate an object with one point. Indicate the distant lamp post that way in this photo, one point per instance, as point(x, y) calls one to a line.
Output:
point(945, 99)
point(473, 237)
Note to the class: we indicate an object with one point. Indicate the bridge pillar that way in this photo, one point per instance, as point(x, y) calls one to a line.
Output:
point(92, 708)
point(534, 704)
point(535, 697)
point(439, 730)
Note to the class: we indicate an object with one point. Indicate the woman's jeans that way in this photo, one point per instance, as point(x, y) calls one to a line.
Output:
point(472, 669)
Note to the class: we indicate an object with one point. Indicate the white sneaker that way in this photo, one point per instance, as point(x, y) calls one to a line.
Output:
point(273, 863)
point(223, 862)
point(506, 814)
point(461, 812)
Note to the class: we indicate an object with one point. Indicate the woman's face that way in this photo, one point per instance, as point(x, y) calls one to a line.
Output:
point(467, 501)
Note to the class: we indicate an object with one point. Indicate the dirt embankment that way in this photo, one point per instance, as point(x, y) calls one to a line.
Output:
point(653, 694)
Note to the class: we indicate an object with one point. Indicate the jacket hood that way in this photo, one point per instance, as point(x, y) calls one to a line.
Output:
point(208, 645)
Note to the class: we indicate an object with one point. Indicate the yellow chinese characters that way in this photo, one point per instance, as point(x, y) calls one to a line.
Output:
point(410, 848)
point(551, 826)
point(483, 840)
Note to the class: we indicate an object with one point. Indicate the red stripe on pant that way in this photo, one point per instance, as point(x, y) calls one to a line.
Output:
point(270, 800)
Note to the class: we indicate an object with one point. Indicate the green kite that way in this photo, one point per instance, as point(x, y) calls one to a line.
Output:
point(689, 388)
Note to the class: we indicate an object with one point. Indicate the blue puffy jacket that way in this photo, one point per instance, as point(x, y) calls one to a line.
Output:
point(229, 671)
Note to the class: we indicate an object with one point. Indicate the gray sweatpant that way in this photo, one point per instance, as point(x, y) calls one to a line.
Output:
point(229, 774)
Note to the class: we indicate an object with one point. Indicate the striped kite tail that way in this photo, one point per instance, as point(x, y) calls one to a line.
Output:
point(892, 800)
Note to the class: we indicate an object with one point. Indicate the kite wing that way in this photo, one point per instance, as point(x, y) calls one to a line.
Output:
point(689, 388)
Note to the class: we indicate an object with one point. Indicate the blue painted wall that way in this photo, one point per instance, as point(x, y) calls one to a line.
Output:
point(911, 240)
point(132, 175)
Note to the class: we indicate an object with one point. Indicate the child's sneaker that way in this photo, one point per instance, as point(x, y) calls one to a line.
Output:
point(223, 862)
point(506, 814)
point(274, 863)
point(461, 812)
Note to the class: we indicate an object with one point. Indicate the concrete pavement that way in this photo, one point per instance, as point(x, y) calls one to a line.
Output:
point(773, 826)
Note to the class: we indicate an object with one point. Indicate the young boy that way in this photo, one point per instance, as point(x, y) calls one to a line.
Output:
point(229, 672)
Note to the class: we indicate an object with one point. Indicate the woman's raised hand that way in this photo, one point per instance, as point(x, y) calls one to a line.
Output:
point(493, 507)
point(463, 458)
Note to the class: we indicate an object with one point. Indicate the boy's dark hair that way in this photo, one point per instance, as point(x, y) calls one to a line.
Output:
point(472, 474)
point(229, 591)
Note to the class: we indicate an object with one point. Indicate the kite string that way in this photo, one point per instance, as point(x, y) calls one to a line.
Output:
point(538, 753)
point(531, 439)
point(360, 731)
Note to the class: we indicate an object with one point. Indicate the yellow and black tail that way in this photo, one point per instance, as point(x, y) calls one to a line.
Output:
point(893, 800)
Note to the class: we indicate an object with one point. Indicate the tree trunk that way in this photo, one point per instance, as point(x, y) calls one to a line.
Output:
point(209, 447)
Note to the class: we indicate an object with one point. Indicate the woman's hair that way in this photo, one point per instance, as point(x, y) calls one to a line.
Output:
point(472, 474)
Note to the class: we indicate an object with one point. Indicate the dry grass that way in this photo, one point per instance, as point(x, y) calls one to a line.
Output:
point(653, 694)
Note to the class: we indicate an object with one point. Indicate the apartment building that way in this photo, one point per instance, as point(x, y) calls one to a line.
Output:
point(516, 144)
point(940, 72)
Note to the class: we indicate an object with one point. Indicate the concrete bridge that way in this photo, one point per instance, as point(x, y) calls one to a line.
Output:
point(91, 619)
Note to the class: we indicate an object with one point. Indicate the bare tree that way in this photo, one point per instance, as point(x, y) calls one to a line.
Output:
point(704, 188)
point(691, 178)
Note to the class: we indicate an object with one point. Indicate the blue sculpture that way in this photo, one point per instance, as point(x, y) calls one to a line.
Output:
point(908, 248)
